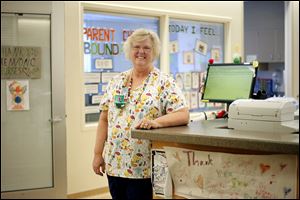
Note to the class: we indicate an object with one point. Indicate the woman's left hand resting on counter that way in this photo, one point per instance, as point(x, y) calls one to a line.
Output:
point(177, 118)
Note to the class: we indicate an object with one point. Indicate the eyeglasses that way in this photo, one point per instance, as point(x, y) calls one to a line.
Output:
point(145, 49)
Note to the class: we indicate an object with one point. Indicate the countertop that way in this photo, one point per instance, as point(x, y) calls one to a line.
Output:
point(214, 133)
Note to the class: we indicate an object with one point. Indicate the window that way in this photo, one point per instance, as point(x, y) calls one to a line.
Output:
point(192, 44)
point(103, 37)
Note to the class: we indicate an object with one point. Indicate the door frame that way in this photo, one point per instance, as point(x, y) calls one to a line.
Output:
point(56, 12)
point(291, 58)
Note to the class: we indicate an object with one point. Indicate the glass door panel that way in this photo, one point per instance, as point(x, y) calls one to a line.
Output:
point(26, 128)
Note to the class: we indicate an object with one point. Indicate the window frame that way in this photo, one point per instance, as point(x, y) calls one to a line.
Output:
point(163, 17)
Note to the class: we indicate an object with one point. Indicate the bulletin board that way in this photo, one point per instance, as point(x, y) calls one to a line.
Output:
point(193, 43)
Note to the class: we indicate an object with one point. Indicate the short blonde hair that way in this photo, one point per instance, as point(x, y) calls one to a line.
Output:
point(140, 35)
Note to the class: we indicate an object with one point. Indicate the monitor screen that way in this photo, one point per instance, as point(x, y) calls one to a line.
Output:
point(228, 82)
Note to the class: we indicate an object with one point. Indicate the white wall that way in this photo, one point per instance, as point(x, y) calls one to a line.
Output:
point(80, 140)
point(295, 50)
point(233, 10)
point(292, 49)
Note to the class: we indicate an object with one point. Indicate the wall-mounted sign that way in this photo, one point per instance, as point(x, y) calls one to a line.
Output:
point(179, 28)
point(101, 41)
point(19, 62)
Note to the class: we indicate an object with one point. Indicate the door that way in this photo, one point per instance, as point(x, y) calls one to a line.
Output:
point(33, 148)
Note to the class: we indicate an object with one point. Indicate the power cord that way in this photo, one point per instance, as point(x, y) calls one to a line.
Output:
point(205, 116)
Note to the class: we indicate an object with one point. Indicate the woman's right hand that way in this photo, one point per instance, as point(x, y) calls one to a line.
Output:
point(99, 165)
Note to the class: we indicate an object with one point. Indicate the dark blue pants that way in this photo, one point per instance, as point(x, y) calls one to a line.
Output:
point(130, 189)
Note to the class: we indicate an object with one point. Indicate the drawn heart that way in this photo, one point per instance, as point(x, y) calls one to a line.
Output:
point(264, 167)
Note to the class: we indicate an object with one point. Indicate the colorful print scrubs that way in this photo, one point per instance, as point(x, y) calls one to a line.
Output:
point(158, 95)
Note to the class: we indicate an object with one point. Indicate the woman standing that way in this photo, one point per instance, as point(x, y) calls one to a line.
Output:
point(142, 98)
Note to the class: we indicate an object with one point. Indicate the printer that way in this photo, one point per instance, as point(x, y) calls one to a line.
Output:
point(274, 115)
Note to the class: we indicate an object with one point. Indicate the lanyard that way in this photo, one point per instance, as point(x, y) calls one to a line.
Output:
point(123, 98)
point(124, 95)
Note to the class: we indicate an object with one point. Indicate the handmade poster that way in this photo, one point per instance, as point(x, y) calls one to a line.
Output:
point(91, 109)
point(103, 64)
point(187, 80)
point(210, 175)
point(17, 95)
point(188, 57)
point(107, 76)
point(201, 47)
point(96, 99)
point(195, 80)
point(187, 96)
point(202, 81)
point(173, 47)
point(91, 89)
point(194, 99)
point(216, 54)
point(179, 80)
point(161, 181)
point(91, 77)
point(21, 62)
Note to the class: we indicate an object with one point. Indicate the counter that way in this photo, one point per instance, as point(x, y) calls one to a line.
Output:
point(214, 133)
point(214, 136)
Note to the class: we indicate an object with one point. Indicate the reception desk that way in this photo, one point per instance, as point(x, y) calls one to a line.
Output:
point(214, 136)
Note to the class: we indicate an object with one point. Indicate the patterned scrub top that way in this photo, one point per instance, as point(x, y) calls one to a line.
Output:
point(158, 95)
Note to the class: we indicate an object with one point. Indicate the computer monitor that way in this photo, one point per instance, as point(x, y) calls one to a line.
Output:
point(227, 82)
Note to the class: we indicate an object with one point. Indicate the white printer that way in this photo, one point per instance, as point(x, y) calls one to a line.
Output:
point(269, 115)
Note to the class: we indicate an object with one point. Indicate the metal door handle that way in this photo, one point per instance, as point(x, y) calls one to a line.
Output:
point(55, 119)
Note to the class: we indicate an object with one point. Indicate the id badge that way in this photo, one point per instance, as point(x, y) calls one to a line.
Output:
point(119, 100)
